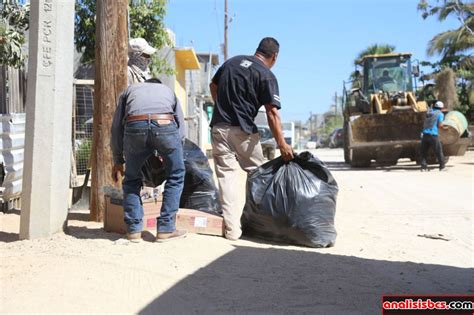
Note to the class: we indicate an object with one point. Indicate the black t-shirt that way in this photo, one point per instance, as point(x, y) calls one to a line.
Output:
point(244, 84)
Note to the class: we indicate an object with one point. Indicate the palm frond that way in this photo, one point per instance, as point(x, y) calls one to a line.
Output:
point(375, 49)
point(451, 42)
point(467, 63)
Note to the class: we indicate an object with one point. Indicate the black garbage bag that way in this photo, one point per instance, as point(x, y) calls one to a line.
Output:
point(292, 202)
point(199, 192)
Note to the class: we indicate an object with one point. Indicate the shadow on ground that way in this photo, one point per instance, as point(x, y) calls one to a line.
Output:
point(7, 237)
point(336, 166)
point(78, 216)
point(77, 231)
point(268, 281)
point(82, 232)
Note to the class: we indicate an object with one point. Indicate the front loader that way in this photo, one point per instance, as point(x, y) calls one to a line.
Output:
point(383, 119)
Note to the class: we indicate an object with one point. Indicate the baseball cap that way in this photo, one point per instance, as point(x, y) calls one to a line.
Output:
point(439, 104)
point(140, 45)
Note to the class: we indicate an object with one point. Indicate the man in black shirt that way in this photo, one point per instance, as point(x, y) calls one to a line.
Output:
point(239, 88)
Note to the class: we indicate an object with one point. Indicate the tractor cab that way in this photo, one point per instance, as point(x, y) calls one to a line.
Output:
point(385, 85)
point(389, 73)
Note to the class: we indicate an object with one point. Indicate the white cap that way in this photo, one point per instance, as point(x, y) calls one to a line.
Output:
point(439, 104)
point(140, 45)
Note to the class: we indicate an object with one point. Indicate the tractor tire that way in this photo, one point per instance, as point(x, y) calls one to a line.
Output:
point(358, 158)
point(360, 164)
point(347, 143)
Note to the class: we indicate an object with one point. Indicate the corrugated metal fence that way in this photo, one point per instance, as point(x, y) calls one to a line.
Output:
point(12, 90)
point(12, 135)
point(12, 142)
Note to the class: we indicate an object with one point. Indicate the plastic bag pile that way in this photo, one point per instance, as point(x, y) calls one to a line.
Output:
point(199, 192)
point(292, 202)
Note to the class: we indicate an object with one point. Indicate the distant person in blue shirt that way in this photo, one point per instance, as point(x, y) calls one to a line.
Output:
point(433, 121)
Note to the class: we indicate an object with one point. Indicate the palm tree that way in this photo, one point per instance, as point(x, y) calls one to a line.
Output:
point(374, 49)
point(451, 44)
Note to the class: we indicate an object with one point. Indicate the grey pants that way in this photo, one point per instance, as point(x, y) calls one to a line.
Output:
point(232, 148)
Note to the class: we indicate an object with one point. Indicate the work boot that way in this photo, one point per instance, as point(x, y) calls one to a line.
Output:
point(162, 237)
point(443, 169)
point(231, 238)
point(424, 169)
point(134, 237)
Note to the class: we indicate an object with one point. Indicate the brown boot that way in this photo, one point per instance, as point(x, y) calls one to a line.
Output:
point(162, 237)
point(134, 237)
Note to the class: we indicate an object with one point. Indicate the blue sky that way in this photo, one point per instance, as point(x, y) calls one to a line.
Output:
point(319, 39)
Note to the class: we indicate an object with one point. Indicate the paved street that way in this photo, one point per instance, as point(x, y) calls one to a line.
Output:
point(384, 217)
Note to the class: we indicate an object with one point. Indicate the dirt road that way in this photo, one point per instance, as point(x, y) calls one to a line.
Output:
point(381, 214)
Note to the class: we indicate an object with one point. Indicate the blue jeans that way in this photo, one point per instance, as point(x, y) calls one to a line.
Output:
point(428, 141)
point(141, 139)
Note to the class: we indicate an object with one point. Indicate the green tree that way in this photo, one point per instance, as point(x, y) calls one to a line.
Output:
point(146, 21)
point(331, 122)
point(374, 49)
point(452, 43)
point(454, 47)
point(14, 21)
point(84, 29)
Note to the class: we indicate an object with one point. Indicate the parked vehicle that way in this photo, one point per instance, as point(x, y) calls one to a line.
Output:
point(323, 141)
point(267, 141)
point(336, 138)
point(289, 133)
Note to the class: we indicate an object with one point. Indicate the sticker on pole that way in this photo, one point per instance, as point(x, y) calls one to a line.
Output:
point(200, 222)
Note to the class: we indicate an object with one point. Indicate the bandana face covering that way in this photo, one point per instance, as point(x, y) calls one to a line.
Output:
point(141, 62)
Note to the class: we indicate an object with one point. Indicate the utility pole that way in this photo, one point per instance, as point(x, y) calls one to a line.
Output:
point(226, 27)
point(47, 154)
point(110, 80)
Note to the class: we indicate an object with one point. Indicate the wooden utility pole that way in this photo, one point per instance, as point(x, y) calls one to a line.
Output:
point(110, 80)
point(226, 27)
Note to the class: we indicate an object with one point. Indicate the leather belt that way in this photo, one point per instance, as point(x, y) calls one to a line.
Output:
point(166, 117)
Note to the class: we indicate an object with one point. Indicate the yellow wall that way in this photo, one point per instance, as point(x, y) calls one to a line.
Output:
point(179, 87)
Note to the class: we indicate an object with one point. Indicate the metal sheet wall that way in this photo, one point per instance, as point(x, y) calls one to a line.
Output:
point(12, 141)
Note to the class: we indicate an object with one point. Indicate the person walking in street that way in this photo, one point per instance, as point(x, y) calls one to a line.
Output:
point(139, 58)
point(148, 118)
point(431, 125)
point(239, 88)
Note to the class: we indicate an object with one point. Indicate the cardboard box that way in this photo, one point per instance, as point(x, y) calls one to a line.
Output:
point(193, 221)
point(113, 218)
